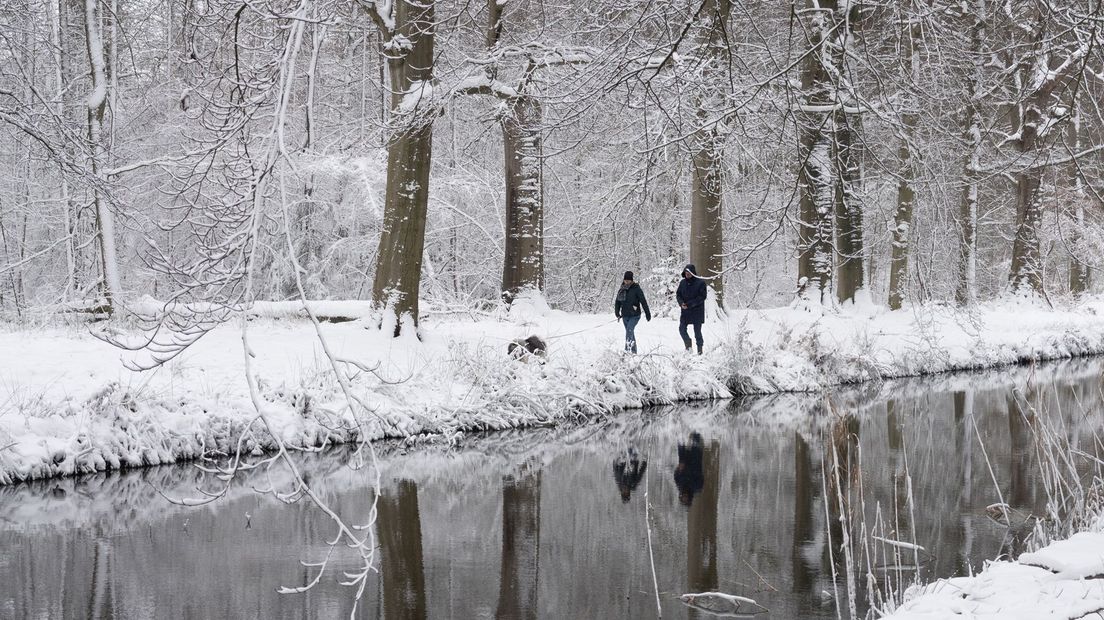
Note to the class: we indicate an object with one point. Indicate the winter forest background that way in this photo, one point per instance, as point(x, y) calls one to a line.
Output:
point(195, 150)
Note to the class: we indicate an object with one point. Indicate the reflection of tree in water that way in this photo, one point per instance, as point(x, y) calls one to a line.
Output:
point(1021, 432)
point(520, 568)
point(697, 477)
point(843, 474)
point(806, 490)
point(101, 604)
point(400, 536)
point(842, 470)
point(962, 532)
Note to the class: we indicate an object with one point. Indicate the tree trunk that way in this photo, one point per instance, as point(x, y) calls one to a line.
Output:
point(523, 262)
point(97, 103)
point(814, 153)
point(707, 152)
point(706, 233)
point(1027, 269)
point(55, 12)
point(402, 240)
point(966, 292)
point(1080, 270)
point(851, 273)
point(906, 194)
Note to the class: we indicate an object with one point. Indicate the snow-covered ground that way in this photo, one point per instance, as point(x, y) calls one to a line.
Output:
point(1062, 581)
point(69, 403)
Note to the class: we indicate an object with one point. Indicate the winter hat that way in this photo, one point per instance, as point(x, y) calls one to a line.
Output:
point(629, 276)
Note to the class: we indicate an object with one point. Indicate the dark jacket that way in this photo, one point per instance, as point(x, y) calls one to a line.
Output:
point(692, 292)
point(630, 301)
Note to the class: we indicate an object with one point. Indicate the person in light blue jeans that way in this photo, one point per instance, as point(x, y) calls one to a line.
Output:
point(628, 306)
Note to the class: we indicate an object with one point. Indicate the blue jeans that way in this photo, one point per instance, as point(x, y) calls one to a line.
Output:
point(630, 331)
point(686, 335)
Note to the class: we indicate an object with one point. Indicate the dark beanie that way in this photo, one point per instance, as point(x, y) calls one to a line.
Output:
point(628, 275)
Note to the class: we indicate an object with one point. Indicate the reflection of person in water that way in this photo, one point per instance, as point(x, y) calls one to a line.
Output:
point(628, 471)
point(689, 477)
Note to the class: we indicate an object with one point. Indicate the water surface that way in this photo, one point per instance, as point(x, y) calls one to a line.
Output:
point(769, 498)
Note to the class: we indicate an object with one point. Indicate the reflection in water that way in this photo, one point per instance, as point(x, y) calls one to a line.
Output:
point(701, 471)
point(756, 499)
point(628, 472)
point(520, 571)
point(804, 554)
point(1021, 433)
point(400, 537)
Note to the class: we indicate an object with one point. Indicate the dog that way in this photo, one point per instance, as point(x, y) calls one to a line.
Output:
point(532, 347)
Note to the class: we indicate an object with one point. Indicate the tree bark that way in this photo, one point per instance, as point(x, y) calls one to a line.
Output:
point(706, 233)
point(523, 261)
point(707, 154)
point(55, 12)
point(97, 104)
point(402, 240)
point(851, 272)
point(1027, 266)
point(966, 291)
point(906, 193)
point(1080, 271)
point(816, 173)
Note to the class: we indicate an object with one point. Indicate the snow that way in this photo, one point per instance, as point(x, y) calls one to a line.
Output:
point(69, 404)
point(1060, 581)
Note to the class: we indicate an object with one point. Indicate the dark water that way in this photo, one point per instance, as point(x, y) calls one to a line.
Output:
point(548, 524)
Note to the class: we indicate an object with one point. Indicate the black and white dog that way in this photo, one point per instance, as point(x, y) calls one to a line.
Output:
point(529, 348)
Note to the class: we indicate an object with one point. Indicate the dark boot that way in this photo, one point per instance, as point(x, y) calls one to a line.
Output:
point(687, 344)
point(699, 349)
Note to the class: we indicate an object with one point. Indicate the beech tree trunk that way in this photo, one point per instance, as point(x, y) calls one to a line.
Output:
point(851, 271)
point(906, 193)
point(1027, 266)
point(523, 262)
point(97, 104)
point(1080, 271)
point(816, 174)
point(402, 241)
point(966, 289)
point(707, 153)
point(706, 233)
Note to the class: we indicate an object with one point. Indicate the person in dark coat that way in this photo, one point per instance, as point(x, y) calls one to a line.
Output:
point(691, 298)
point(628, 307)
point(690, 474)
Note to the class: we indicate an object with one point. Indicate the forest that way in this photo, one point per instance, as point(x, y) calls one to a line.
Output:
point(436, 155)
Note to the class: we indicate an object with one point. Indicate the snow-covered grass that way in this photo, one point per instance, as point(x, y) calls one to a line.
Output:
point(69, 404)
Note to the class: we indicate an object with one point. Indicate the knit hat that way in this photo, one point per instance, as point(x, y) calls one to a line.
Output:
point(629, 276)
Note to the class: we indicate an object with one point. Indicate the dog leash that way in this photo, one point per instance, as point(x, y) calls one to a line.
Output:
point(583, 330)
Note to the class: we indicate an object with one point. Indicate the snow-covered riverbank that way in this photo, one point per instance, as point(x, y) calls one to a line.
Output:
point(1062, 581)
point(68, 404)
